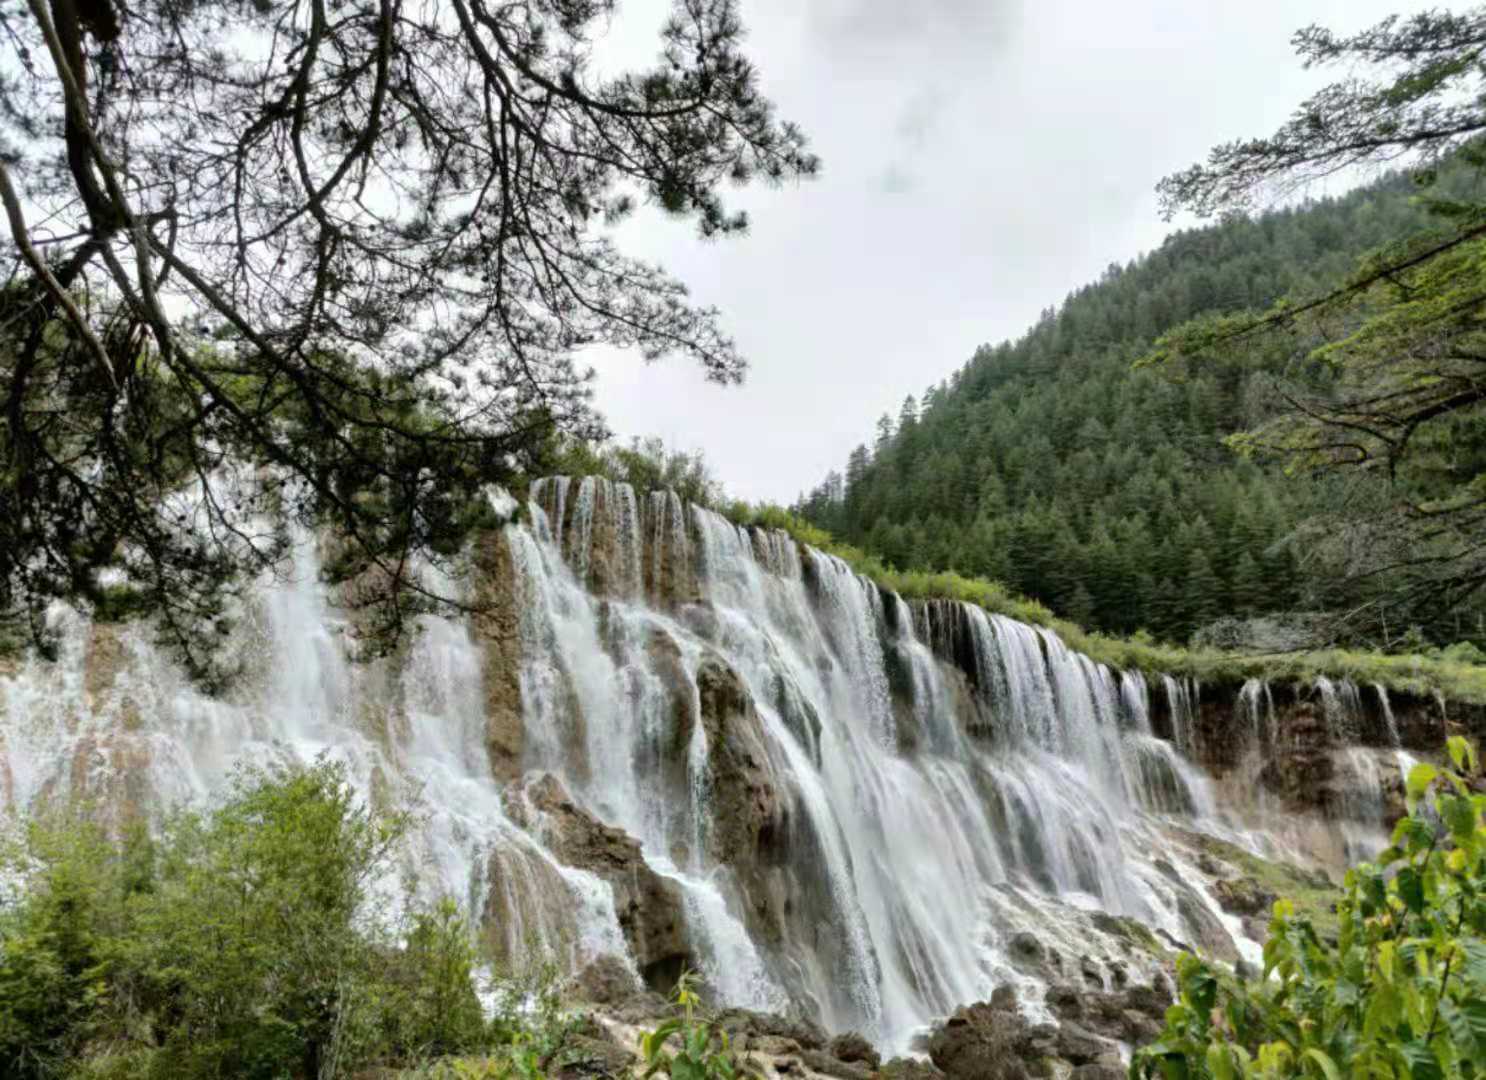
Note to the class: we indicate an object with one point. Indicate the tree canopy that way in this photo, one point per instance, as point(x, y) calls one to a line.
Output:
point(330, 263)
point(1382, 374)
point(1336, 345)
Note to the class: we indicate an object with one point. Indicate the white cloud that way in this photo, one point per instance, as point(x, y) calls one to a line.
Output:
point(981, 160)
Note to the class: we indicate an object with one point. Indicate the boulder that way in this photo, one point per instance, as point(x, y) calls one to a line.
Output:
point(606, 981)
point(650, 907)
point(981, 1043)
point(829, 1065)
point(1026, 950)
point(1065, 1001)
point(1003, 998)
point(583, 1056)
point(1152, 1000)
point(1080, 1046)
point(1138, 1029)
point(1243, 896)
point(745, 1022)
point(854, 1047)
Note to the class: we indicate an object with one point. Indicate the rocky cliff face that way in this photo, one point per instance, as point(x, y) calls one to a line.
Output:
point(665, 742)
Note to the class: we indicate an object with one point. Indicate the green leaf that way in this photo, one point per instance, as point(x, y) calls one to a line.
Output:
point(1467, 1023)
point(1462, 753)
point(1321, 1058)
point(1475, 960)
point(1421, 1062)
point(1459, 815)
point(1420, 777)
point(1410, 886)
point(1220, 1062)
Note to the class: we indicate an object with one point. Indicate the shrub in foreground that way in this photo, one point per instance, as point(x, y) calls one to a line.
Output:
point(1400, 993)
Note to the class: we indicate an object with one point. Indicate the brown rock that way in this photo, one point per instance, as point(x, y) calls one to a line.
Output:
point(1152, 1000)
point(650, 907)
point(1065, 1001)
point(909, 1069)
point(1098, 1071)
point(606, 981)
point(805, 1033)
point(1139, 1029)
point(829, 1065)
point(854, 1047)
point(498, 629)
point(583, 1056)
point(979, 1043)
point(1080, 1046)
point(1243, 896)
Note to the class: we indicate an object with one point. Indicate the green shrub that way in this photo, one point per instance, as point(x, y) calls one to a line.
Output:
point(1400, 993)
point(431, 1008)
point(242, 942)
point(689, 1047)
point(59, 972)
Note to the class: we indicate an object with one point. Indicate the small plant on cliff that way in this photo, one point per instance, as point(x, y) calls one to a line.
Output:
point(1402, 992)
point(705, 1054)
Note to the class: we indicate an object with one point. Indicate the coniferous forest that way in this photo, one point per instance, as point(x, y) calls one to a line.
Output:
point(1060, 466)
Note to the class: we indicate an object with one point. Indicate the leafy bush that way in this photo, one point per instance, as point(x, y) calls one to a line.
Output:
point(244, 942)
point(704, 1053)
point(1401, 992)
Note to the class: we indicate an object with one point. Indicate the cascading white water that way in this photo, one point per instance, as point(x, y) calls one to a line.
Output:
point(929, 779)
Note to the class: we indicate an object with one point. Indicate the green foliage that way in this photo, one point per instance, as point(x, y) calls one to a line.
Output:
point(1400, 991)
point(246, 941)
point(1378, 373)
point(1106, 491)
point(645, 464)
point(701, 1051)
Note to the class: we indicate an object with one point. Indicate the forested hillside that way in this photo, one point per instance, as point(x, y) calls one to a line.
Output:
point(1052, 464)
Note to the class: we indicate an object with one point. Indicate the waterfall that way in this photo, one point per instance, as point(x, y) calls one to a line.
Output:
point(855, 802)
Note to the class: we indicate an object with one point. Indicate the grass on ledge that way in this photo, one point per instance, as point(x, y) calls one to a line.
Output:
point(1412, 674)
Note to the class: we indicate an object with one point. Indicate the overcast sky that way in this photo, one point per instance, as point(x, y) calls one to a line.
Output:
point(981, 159)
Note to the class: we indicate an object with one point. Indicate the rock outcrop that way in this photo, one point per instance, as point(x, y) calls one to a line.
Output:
point(650, 907)
point(498, 629)
point(994, 1041)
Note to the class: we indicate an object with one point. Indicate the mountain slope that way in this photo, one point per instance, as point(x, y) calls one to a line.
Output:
point(1050, 464)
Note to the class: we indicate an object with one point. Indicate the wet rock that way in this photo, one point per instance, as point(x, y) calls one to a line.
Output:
point(1206, 932)
point(641, 1010)
point(909, 1069)
point(854, 1047)
point(497, 623)
point(1080, 1046)
point(1091, 972)
point(606, 981)
point(650, 907)
point(750, 824)
point(1064, 1001)
point(806, 1033)
point(1026, 950)
point(770, 1045)
point(980, 1043)
point(829, 1065)
point(1003, 998)
point(1098, 1071)
point(583, 1056)
point(1104, 1014)
point(1151, 1000)
point(1139, 1029)
point(1243, 896)
point(1131, 932)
